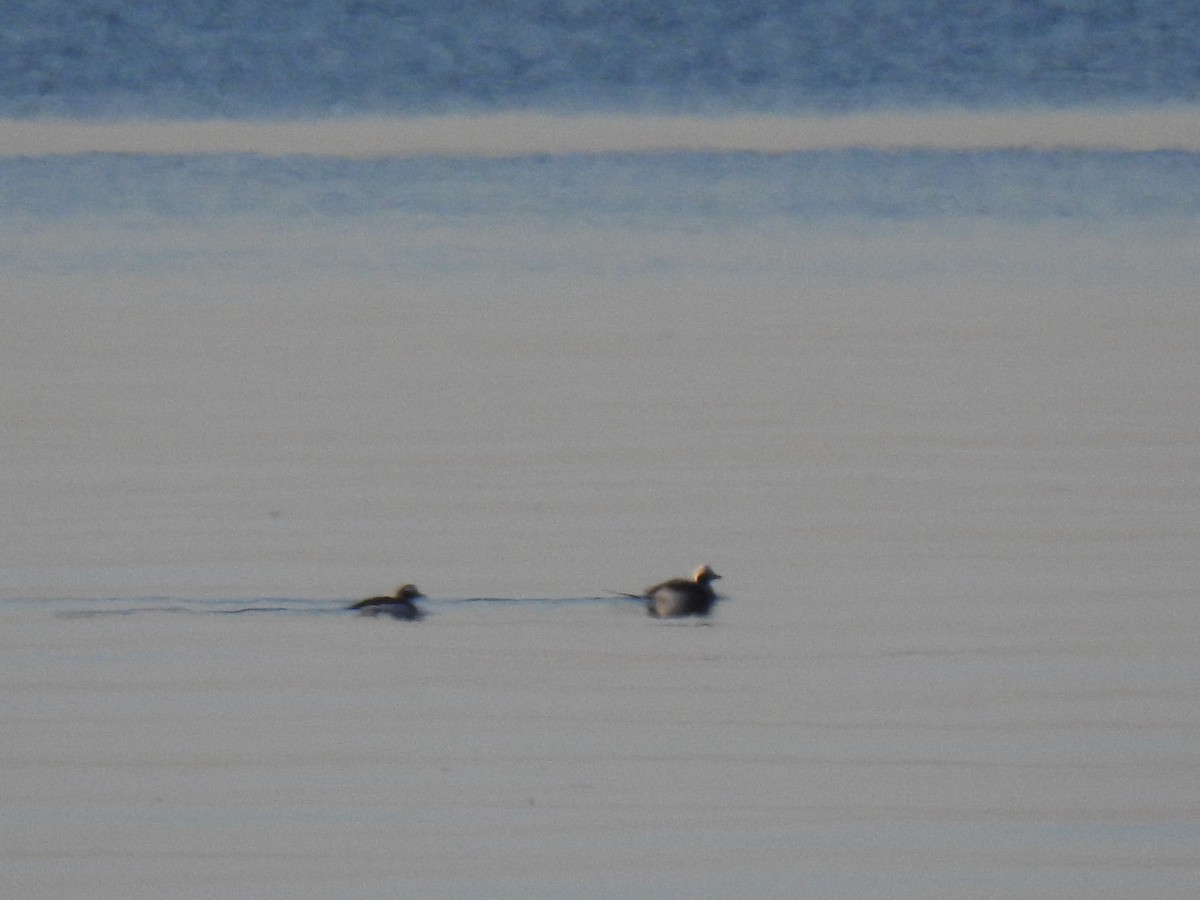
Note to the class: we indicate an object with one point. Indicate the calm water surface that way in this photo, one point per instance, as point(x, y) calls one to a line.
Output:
point(944, 459)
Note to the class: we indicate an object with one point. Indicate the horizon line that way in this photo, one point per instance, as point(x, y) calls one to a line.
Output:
point(522, 134)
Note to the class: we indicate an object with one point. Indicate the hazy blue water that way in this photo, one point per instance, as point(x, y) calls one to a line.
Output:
point(671, 191)
point(335, 56)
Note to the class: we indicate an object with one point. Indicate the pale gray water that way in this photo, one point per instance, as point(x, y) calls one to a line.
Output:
point(893, 747)
point(946, 466)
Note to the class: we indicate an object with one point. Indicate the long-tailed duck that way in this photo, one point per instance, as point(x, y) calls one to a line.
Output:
point(680, 597)
point(400, 606)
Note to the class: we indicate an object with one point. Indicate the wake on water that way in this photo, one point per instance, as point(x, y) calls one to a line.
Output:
point(115, 607)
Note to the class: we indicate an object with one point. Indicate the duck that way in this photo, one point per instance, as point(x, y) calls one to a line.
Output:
point(400, 606)
point(681, 597)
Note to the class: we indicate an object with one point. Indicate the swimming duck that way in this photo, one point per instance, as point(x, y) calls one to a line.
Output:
point(681, 597)
point(400, 606)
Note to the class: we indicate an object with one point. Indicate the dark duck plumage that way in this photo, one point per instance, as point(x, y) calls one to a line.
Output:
point(683, 597)
point(400, 606)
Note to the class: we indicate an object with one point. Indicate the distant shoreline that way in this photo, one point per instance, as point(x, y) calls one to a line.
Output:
point(532, 134)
